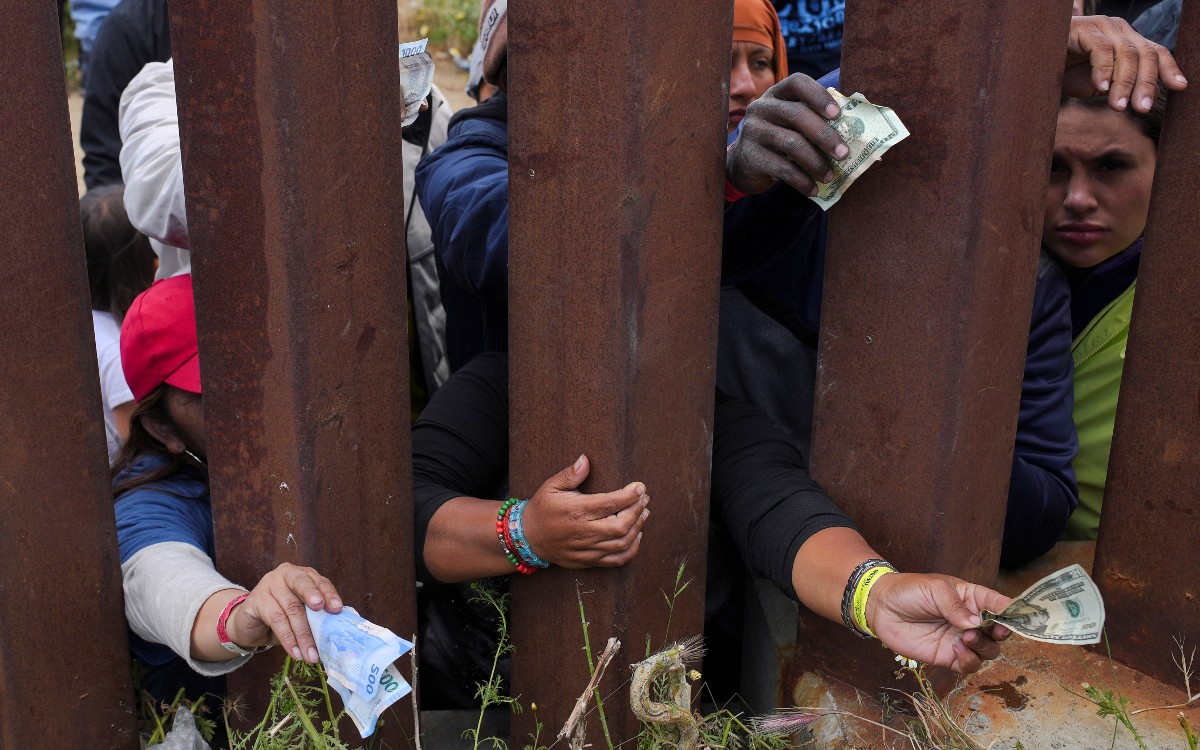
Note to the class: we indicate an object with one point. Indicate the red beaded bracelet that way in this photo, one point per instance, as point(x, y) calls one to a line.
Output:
point(510, 550)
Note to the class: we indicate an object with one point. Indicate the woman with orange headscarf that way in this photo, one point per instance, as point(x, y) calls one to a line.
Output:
point(759, 57)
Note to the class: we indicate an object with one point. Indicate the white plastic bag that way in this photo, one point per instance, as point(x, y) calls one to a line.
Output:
point(183, 735)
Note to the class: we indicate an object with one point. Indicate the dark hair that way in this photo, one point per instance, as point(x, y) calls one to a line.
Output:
point(119, 258)
point(141, 442)
point(1149, 122)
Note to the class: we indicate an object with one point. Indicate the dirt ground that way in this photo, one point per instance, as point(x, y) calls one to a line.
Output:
point(449, 78)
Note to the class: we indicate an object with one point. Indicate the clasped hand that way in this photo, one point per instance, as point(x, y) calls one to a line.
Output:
point(575, 530)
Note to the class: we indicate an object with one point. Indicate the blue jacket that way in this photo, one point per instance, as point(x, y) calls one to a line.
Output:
point(774, 246)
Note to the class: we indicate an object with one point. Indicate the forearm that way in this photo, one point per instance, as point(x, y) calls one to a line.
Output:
point(205, 646)
point(823, 566)
point(461, 543)
point(167, 589)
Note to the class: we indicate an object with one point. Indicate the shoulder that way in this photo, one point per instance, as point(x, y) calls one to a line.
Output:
point(173, 509)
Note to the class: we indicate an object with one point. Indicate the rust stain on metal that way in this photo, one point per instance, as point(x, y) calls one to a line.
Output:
point(66, 650)
point(917, 435)
point(615, 357)
point(292, 152)
point(1154, 454)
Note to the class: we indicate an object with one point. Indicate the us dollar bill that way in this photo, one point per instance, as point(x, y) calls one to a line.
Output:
point(416, 78)
point(1064, 607)
point(869, 131)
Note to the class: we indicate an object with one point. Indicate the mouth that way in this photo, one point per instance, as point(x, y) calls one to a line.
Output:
point(736, 116)
point(1080, 233)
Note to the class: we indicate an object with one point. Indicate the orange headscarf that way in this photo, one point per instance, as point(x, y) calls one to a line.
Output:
point(756, 21)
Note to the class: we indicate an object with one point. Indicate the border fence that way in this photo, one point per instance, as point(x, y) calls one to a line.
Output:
point(290, 125)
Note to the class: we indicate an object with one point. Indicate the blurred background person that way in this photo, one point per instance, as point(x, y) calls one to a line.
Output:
point(120, 267)
point(759, 57)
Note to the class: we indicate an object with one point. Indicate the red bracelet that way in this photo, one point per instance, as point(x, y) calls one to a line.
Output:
point(732, 194)
point(223, 634)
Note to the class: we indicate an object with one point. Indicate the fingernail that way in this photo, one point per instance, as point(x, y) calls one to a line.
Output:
point(828, 177)
point(813, 190)
point(971, 636)
point(315, 601)
point(645, 513)
point(832, 111)
point(975, 621)
point(296, 652)
point(645, 500)
point(1104, 85)
point(335, 603)
point(841, 151)
point(579, 463)
point(640, 489)
point(1147, 103)
point(1181, 79)
point(1122, 103)
point(313, 656)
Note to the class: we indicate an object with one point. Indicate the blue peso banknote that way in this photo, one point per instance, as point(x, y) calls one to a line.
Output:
point(355, 651)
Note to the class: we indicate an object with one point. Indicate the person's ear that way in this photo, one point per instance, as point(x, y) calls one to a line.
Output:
point(164, 433)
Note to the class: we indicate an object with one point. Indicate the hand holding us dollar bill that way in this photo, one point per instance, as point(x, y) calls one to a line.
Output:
point(357, 655)
point(1064, 607)
point(869, 131)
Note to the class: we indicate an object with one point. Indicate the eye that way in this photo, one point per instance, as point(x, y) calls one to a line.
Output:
point(1112, 165)
point(1058, 167)
point(761, 63)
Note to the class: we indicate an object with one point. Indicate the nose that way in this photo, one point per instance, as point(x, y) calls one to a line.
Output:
point(741, 83)
point(1081, 197)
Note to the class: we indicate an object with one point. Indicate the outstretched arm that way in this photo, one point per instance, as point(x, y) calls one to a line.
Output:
point(931, 618)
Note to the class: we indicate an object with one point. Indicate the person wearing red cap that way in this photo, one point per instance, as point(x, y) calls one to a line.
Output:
point(190, 624)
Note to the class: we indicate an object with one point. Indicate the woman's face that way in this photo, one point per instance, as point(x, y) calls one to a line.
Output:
point(1100, 183)
point(751, 73)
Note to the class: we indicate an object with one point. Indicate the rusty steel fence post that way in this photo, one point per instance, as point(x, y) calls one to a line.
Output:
point(617, 116)
point(291, 138)
point(1146, 561)
point(928, 289)
point(62, 621)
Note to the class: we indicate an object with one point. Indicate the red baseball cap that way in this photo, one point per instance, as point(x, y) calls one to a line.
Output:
point(158, 339)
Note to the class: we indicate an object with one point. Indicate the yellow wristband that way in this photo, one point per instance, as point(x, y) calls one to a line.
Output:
point(862, 591)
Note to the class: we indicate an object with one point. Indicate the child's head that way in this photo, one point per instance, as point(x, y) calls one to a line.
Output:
point(119, 259)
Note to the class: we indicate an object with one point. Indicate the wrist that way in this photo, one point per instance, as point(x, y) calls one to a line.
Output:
point(856, 596)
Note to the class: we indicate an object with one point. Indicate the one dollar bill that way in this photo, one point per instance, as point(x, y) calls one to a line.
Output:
point(869, 131)
point(1064, 607)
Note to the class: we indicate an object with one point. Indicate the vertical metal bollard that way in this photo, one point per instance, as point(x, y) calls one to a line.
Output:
point(290, 122)
point(928, 290)
point(66, 652)
point(1146, 564)
point(617, 118)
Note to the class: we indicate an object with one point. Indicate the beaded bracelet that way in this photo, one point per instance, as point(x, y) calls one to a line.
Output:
point(862, 591)
point(852, 588)
point(516, 533)
point(506, 541)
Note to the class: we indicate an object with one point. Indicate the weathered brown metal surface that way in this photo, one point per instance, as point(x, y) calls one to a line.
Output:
point(617, 121)
point(1146, 561)
point(290, 124)
point(62, 620)
point(928, 288)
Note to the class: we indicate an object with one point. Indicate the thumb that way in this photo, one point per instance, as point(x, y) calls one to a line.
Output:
point(952, 607)
point(570, 477)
